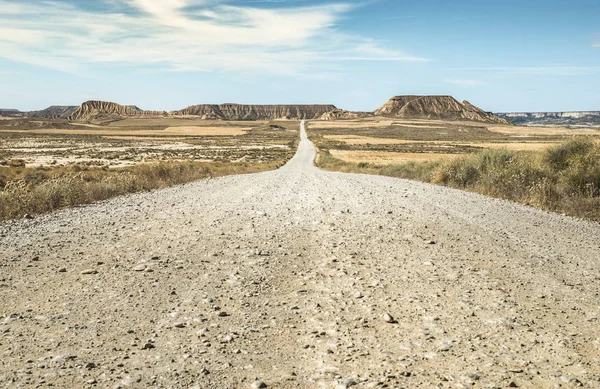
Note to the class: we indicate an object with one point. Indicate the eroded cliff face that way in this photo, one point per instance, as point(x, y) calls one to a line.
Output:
point(256, 112)
point(435, 107)
point(105, 111)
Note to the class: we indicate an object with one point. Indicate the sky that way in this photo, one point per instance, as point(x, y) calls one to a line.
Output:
point(168, 54)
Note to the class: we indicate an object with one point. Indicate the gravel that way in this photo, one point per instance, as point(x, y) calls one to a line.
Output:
point(507, 291)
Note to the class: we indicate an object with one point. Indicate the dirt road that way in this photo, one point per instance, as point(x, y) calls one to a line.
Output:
point(285, 278)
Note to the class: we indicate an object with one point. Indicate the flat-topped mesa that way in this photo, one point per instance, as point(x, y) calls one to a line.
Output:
point(104, 110)
point(256, 112)
point(435, 107)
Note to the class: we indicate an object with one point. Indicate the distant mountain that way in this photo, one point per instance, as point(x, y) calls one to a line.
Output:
point(435, 107)
point(255, 112)
point(581, 119)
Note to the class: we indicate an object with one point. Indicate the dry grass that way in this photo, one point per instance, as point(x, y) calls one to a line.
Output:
point(28, 191)
point(564, 178)
point(387, 157)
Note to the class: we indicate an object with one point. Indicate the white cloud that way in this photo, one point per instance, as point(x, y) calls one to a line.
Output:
point(190, 35)
point(464, 82)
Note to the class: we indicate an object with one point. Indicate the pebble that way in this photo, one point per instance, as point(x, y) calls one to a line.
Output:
point(62, 269)
point(258, 384)
point(358, 295)
point(179, 325)
point(388, 318)
point(90, 271)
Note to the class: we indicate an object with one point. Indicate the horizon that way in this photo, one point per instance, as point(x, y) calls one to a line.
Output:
point(509, 57)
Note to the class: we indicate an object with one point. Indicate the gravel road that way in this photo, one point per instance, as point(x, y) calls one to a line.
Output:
point(300, 278)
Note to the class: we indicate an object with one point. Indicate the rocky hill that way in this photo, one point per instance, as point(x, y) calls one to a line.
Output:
point(256, 112)
point(435, 107)
point(103, 111)
point(578, 119)
point(53, 112)
point(10, 113)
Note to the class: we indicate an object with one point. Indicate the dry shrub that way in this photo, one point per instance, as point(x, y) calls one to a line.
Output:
point(38, 190)
point(565, 178)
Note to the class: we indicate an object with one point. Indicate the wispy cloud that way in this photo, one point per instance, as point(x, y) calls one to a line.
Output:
point(184, 35)
point(464, 82)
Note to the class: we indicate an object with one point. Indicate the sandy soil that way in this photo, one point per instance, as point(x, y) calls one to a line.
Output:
point(170, 131)
point(300, 278)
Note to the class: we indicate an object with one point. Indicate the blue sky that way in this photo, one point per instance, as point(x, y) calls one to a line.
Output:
point(168, 54)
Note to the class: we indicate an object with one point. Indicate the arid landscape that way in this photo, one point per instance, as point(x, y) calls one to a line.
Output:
point(130, 261)
point(299, 194)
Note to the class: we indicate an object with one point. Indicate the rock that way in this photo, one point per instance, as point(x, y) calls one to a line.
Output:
point(258, 384)
point(222, 314)
point(179, 325)
point(90, 271)
point(90, 365)
point(445, 347)
point(62, 269)
point(346, 383)
point(140, 267)
point(388, 318)
point(358, 295)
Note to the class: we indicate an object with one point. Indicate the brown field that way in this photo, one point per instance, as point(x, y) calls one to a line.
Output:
point(371, 138)
point(49, 164)
point(169, 131)
point(39, 143)
point(365, 140)
point(387, 157)
point(544, 131)
point(184, 121)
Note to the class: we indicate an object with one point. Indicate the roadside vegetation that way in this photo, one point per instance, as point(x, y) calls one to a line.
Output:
point(28, 191)
point(564, 178)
